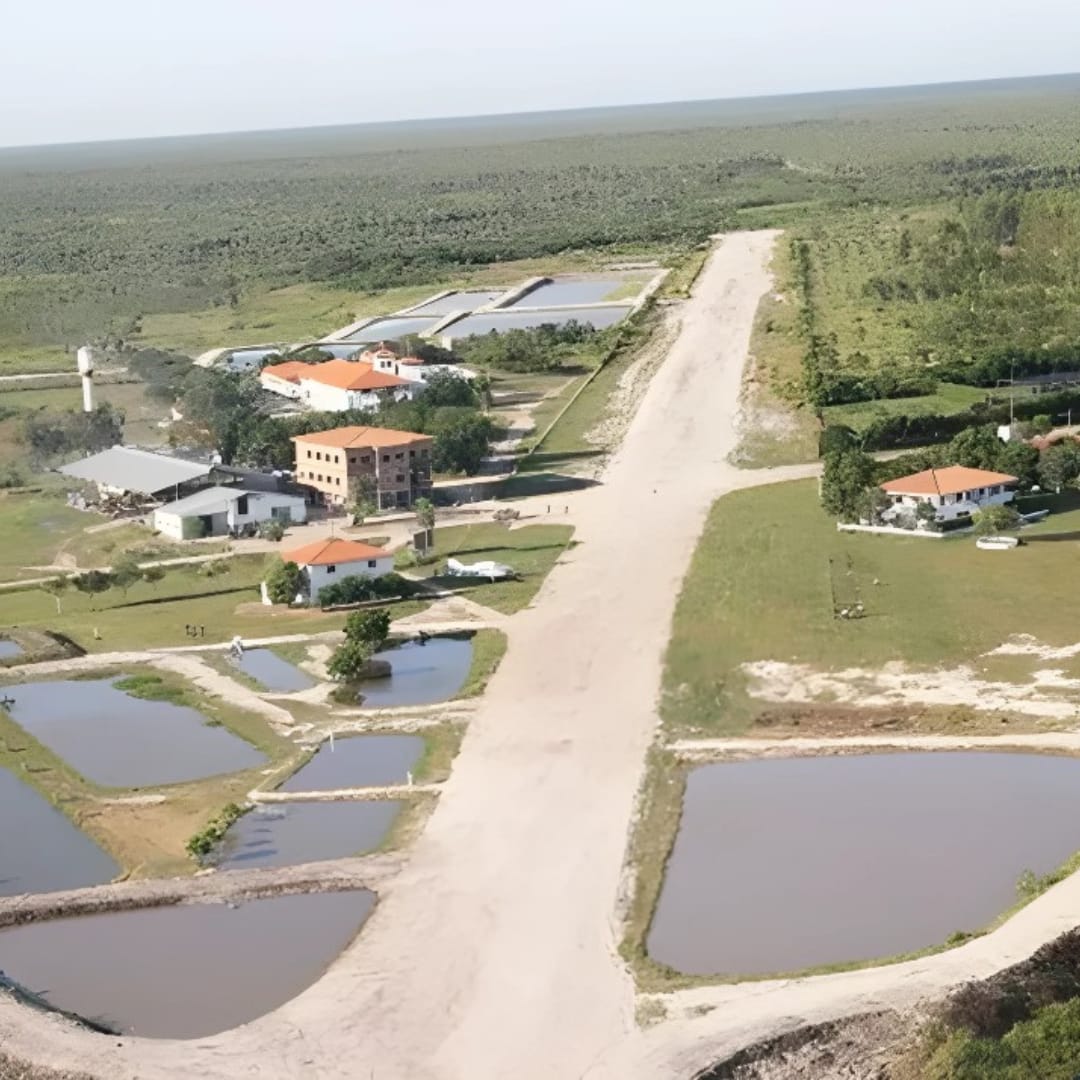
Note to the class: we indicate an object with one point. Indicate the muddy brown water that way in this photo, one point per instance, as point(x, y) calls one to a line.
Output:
point(786, 864)
point(358, 761)
point(187, 971)
point(121, 741)
point(289, 833)
point(40, 849)
point(422, 673)
point(273, 672)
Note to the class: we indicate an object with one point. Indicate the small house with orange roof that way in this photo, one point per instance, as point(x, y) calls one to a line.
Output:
point(332, 559)
point(336, 385)
point(411, 368)
point(954, 492)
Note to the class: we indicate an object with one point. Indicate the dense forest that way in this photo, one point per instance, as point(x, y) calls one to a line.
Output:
point(93, 237)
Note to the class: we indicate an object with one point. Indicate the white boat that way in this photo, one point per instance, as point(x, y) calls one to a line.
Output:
point(996, 543)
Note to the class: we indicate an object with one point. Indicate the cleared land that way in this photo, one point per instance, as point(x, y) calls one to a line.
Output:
point(771, 568)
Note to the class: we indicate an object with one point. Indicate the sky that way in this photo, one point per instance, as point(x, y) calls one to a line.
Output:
point(80, 70)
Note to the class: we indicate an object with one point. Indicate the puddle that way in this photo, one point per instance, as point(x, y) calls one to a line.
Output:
point(117, 740)
point(290, 833)
point(422, 674)
point(511, 319)
point(187, 971)
point(358, 761)
point(459, 301)
point(41, 850)
point(568, 293)
point(392, 329)
point(788, 864)
point(273, 672)
point(9, 648)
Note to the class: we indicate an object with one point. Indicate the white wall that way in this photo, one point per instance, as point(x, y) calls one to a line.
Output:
point(260, 508)
point(279, 386)
point(949, 510)
point(325, 398)
point(318, 576)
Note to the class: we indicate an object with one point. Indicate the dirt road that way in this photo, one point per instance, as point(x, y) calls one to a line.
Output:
point(494, 954)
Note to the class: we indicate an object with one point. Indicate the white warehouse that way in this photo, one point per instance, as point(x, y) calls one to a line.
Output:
point(222, 511)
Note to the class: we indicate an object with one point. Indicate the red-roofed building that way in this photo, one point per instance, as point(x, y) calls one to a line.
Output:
point(336, 385)
point(327, 561)
point(954, 492)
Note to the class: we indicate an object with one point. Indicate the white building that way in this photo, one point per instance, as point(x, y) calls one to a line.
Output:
point(221, 511)
point(337, 385)
point(954, 492)
point(410, 368)
point(328, 561)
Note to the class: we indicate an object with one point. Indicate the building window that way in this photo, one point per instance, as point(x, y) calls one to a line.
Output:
point(337, 480)
point(242, 505)
point(318, 455)
point(424, 453)
point(366, 459)
point(335, 459)
point(412, 453)
point(386, 457)
point(401, 478)
point(398, 457)
point(371, 564)
point(309, 454)
point(319, 478)
point(352, 459)
point(331, 569)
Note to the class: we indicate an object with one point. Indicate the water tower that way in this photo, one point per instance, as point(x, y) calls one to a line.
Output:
point(86, 370)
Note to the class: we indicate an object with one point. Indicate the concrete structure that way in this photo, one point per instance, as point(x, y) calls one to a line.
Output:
point(954, 492)
point(393, 468)
point(84, 358)
point(336, 385)
point(123, 470)
point(220, 511)
point(326, 562)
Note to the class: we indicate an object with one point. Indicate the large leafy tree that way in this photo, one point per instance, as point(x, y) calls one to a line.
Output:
point(370, 628)
point(846, 477)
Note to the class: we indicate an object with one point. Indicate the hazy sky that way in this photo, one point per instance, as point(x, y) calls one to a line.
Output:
point(93, 69)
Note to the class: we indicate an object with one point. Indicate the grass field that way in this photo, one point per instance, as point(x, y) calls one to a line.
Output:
point(949, 398)
point(531, 551)
point(760, 588)
point(33, 529)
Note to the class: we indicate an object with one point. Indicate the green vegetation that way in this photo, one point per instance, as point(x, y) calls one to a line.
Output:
point(211, 834)
point(489, 647)
point(763, 585)
point(531, 551)
point(155, 688)
point(284, 581)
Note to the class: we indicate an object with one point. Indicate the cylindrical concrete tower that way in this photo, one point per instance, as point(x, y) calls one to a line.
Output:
point(86, 370)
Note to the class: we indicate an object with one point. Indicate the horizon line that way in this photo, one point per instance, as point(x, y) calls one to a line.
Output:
point(561, 111)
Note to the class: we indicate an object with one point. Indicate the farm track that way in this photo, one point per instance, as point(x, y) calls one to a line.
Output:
point(494, 951)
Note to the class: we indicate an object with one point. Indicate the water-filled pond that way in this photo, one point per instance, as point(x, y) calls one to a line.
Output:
point(459, 301)
point(423, 673)
point(40, 849)
point(358, 761)
point(568, 293)
point(187, 971)
point(122, 741)
point(288, 833)
point(9, 648)
point(276, 674)
point(392, 329)
point(793, 863)
point(511, 319)
point(248, 359)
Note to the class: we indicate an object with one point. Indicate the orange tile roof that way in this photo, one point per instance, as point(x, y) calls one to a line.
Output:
point(355, 436)
point(289, 370)
point(333, 550)
point(350, 375)
point(951, 480)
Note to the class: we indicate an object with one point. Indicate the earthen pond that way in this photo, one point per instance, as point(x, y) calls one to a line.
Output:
point(272, 671)
point(118, 740)
point(186, 971)
point(40, 849)
point(423, 672)
point(781, 865)
point(358, 761)
point(285, 834)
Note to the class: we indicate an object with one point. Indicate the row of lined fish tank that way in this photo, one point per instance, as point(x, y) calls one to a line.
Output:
point(211, 956)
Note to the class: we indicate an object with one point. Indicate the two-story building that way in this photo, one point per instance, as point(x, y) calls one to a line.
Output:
point(953, 492)
point(393, 467)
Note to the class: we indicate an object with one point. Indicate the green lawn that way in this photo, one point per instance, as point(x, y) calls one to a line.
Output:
point(532, 551)
point(33, 528)
point(760, 587)
point(949, 398)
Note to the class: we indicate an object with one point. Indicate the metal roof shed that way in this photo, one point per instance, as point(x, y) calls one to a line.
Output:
point(124, 469)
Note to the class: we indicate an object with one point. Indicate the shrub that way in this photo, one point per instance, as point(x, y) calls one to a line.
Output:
point(204, 841)
point(271, 529)
point(370, 627)
point(284, 582)
point(355, 590)
point(349, 661)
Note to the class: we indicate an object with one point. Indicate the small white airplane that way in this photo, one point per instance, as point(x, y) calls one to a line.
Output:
point(493, 571)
